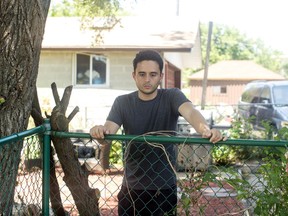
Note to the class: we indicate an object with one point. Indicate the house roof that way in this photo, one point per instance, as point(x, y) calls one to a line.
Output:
point(237, 70)
point(162, 33)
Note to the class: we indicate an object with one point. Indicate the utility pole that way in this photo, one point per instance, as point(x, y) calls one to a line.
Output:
point(204, 83)
point(177, 7)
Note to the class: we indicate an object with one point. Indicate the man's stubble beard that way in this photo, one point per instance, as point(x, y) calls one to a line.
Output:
point(150, 92)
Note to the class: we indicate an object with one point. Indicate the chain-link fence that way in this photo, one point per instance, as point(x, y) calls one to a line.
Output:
point(235, 177)
point(28, 190)
point(22, 173)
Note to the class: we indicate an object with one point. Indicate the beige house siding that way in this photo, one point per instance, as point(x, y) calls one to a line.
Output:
point(231, 97)
point(59, 67)
point(55, 67)
point(196, 55)
point(121, 70)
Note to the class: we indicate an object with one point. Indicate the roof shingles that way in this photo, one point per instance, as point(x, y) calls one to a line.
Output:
point(237, 70)
point(134, 32)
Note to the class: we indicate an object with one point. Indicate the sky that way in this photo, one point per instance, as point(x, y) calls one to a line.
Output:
point(263, 19)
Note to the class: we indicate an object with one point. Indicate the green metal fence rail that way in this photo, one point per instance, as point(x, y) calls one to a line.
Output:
point(175, 139)
point(209, 181)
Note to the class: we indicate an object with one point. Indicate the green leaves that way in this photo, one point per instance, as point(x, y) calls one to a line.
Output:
point(2, 100)
point(229, 43)
point(84, 8)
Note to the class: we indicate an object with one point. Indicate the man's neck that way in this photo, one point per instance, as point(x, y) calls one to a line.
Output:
point(147, 97)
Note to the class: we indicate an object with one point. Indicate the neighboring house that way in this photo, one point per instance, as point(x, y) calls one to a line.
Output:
point(226, 81)
point(100, 72)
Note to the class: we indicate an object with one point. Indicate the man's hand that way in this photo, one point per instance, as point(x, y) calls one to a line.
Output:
point(98, 131)
point(214, 135)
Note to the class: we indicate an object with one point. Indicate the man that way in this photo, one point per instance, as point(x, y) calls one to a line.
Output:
point(149, 183)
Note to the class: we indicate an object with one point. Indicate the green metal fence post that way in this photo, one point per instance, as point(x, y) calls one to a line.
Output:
point(46, 168)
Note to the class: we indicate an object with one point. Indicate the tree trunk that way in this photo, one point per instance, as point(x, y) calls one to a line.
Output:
point(22, 26)
point(76, 177)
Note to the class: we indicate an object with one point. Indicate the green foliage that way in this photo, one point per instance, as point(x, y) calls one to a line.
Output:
point(83, 8)
point(190, 187)
point(269, 129)
point(272, 198)
point(270, 195)
point(99, 15)
point(241, 128)
point(229, 44)
point(282, 134)
point(2, 100)
point(64, 8)
point(285, 69)
point(267, 57)
point(97, 8)
point(33, 149)
point(115, 156)
point(224, 154)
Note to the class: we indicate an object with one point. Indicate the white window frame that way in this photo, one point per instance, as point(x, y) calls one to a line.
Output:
point(103, 85)
point(217, 90)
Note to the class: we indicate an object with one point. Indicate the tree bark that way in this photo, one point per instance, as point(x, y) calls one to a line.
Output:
point(76, 177)
point(22, 26)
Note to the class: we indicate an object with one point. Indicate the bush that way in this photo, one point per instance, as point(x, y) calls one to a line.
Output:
point(243, 129)
point(224, 154)
point(272, 199)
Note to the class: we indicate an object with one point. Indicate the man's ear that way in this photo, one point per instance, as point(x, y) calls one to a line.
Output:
point(161, 77)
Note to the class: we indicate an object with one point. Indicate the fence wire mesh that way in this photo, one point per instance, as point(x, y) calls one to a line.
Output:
point(211, 179)
point(28, 188)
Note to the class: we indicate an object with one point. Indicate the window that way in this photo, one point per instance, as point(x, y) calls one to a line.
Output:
point(91, 70)
point(251, 94)
point(265, 95)
point(219, 89)
point(280, 94)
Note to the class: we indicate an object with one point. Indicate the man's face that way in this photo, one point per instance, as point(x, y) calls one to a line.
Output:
point(147, 77)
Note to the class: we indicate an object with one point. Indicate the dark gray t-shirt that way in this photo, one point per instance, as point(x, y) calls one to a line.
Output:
point(147, 167)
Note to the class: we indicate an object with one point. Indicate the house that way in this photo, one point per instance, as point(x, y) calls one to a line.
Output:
point(226, 81)
point(100, 72)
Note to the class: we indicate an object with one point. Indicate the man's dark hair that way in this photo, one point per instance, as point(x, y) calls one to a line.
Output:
point(148, 55)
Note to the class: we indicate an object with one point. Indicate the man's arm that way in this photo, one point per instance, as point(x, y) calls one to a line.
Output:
point(198, 122)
